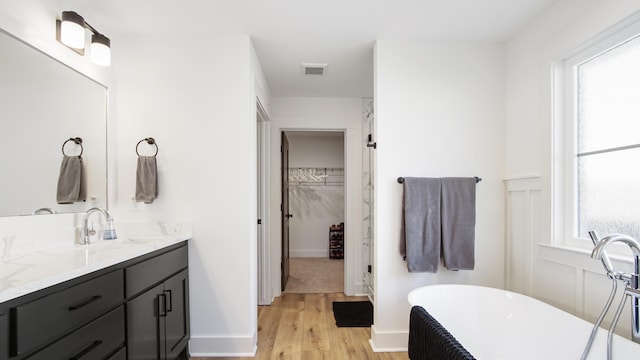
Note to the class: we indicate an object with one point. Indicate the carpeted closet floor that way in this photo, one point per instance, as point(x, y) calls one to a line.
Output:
point(315, 275)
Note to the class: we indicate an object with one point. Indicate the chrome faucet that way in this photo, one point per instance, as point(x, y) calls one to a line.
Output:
point(598, 253)
point(630, 280)
point(109, 232)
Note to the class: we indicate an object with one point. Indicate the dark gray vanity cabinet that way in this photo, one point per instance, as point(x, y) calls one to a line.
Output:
point(96, 341)
point(83, 317)
point(45, 319)
point(134, 310)
point(120, 355)
point(158, 308)
point(177, 314)
point(4, 336)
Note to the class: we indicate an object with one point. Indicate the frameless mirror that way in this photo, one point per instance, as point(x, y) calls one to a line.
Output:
point(44, 103)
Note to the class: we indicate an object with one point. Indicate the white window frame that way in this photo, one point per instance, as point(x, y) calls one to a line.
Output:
point(565, 161)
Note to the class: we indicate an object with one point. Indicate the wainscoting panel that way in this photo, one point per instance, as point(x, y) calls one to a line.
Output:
point(556, 283)
point(598, 286)
point(563, 276)
point(523, 222)
point(517, 250)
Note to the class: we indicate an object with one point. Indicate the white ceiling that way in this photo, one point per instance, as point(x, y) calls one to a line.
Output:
point(341, 33)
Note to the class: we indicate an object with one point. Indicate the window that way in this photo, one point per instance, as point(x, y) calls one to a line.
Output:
point(603, 189)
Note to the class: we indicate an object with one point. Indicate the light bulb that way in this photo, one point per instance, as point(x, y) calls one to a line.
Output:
point(100, 50)
point(72, 30)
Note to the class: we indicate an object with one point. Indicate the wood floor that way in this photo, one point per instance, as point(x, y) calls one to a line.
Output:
point(302, 327)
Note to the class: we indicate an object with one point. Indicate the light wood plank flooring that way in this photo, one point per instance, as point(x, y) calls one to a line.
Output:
point(302, 327)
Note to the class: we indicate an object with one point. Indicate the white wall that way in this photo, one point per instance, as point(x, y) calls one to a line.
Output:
point(439, 112)
point(199, 102)
point(538, 264)
point(314, 207)
point(311, 150)
point(344, 114)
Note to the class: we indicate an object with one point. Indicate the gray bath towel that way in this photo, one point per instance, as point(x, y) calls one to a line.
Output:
point(420, 233)
point(458, 222)
point(71, 182)
point(146, 179)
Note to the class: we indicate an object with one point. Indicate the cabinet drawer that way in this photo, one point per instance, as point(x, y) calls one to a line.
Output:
point(143, 275)
point(43, 320)
point(94, 341)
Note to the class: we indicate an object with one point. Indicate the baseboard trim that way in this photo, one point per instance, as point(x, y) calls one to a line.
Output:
point(388, 341)
point(223, 346)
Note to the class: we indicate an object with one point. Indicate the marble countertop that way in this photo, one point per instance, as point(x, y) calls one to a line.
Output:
point(42, 268)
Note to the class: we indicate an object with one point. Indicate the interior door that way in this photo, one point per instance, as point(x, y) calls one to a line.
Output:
point(285, 209)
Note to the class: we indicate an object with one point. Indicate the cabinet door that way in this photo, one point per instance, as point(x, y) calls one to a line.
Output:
point(4, 336)
point(177, 313)
point(143, 325)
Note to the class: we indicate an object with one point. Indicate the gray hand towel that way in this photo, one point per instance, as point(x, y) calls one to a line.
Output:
point(71, 182)
point(146, 179)
point(420, 233)
point(458, 222)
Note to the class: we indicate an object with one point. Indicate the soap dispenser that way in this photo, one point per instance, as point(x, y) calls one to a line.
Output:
point(110, 231)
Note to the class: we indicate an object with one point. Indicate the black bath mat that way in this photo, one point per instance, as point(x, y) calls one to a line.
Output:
point(353, 313)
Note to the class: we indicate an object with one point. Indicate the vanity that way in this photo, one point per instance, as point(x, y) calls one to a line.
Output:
point(112, 300)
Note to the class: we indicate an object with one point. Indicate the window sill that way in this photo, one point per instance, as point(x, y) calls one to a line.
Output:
point(615, 255)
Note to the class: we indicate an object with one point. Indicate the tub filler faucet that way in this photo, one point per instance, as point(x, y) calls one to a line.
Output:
point(631, 281)
point(109, 232)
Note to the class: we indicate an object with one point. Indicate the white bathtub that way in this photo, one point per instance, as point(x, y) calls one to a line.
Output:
point(494, 324)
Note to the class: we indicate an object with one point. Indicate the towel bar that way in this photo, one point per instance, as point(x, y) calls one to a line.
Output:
point(401, 180)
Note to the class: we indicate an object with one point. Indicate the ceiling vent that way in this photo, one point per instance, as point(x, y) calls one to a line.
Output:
point(314, 69)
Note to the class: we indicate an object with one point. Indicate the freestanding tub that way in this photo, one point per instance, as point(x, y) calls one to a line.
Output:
point(494, 324)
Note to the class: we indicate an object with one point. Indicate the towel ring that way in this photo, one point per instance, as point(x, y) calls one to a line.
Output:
point(150, 141)
point(77, 141)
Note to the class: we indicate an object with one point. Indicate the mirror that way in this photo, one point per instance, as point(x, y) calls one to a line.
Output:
point(44, 103)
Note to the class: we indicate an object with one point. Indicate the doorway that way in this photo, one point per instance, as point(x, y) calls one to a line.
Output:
point(264, 248)
point(313, 224)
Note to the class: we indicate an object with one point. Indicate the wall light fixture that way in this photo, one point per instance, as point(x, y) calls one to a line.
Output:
point(70, 31)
